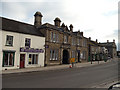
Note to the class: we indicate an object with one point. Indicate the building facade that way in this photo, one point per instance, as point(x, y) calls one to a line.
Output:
point(96, 51)
point(48, 44)
point(22, 45)
point(111, 47)
point(61, 43)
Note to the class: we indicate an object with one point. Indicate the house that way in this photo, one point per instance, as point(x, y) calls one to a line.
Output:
point(22, 45)
point(111, 47)
point(25, 45)
point(96, 51)
point(61, 43)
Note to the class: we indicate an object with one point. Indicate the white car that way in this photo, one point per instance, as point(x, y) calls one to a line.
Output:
point(115, 87)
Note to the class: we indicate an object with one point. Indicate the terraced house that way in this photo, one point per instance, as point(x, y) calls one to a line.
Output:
point(22, 45)
point(96, 51)
point(61, 42)
point(58, 42)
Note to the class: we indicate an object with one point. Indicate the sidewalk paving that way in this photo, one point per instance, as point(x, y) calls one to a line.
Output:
point(56, 67)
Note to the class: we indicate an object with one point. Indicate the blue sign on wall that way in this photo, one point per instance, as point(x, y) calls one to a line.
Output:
point(31, 50)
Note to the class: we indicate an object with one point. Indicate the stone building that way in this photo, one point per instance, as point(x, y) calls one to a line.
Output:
point(111, 47)
point(61, 42)
point(96, 51)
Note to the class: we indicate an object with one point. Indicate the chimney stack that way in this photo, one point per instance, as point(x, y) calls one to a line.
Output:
point(107, 41)
point(81, 33)
point(71, 28)
point(89, 38)
point(96, 40)
point(114, 40)
point(63, 25)
point(38, 19)
point(57, 22)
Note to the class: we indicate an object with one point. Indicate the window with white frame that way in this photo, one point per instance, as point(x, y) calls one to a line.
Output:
point(92, 49)
point(51, 37)
point(78, 41)
point(27, 42)
point(54, 37)
point(73, 54)
point(9, 40)
point(83, 56)
point(73, 41)
point(84, 42)
point(33, 59)
point(54, 54)
point(65, 39)
point(57, 37)
point(8, 58)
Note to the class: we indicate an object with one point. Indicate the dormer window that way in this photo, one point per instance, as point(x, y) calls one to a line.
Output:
point(27, 42)
point(9, 40)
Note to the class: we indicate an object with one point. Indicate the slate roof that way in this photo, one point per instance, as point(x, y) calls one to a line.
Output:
point(50, 26)
point(19, 27)
point(108, 44)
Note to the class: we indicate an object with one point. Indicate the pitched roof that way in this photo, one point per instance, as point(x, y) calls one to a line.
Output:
point(108, 44)
point(50, 26)
point(19, 27)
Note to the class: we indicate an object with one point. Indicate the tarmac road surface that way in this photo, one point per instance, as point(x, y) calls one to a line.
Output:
point(84, 77)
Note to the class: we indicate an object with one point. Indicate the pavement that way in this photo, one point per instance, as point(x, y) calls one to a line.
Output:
point(56, 67)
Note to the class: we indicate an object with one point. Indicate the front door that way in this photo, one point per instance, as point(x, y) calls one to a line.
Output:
point(65, 57)
point(22, 60)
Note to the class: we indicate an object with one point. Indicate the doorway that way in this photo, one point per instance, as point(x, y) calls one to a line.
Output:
point(65, 57)
point(79, 56)
point(22, 60)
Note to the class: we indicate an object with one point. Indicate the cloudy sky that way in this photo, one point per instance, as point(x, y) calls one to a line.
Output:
point(98, 19)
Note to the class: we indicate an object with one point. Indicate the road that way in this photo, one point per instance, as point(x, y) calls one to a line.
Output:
point(84, 77)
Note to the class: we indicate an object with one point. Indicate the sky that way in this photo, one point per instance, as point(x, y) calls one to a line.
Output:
point(97, 19)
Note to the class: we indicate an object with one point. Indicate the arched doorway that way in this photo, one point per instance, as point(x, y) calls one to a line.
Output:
point(65, 57)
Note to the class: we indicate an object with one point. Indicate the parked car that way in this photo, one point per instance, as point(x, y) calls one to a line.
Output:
point(109, 57)
point(115, 86)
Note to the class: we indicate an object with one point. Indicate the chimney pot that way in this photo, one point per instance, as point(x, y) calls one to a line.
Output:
point(114, 40)
point(81, 33)
point(57, 22)
point(96, 40)
point(71, 27)
point(89, 38)
point(38, 19)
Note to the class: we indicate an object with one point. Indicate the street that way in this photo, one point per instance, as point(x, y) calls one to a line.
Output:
point(85, 77)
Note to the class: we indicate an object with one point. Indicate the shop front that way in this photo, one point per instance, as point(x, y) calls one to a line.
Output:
point(8, 58)
point(31, 57)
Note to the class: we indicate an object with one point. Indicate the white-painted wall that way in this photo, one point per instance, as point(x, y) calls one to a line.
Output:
point(0, 50)
point(19, 41)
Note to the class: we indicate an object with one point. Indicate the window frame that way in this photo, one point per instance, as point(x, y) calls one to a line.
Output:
point(28, 39)
point(54, 54)
point(65, 39)
point(35, 61)
point(8, 52)
point(8, 40)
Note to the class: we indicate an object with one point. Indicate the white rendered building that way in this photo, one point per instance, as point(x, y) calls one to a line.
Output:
point(21, 45)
